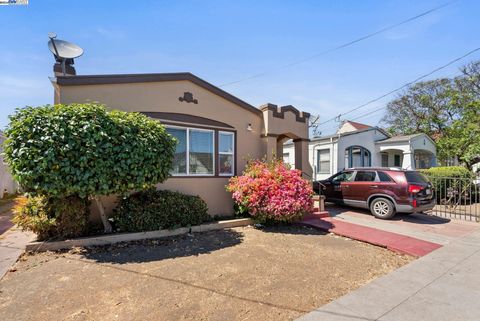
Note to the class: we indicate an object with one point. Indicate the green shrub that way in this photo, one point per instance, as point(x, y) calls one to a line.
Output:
point(451, 183)
point(31, 214)
point(84, 150)
point(52, 217)
point(159, 209)
point(447, 171)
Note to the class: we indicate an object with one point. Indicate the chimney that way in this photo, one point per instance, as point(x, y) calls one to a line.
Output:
point(69, 69)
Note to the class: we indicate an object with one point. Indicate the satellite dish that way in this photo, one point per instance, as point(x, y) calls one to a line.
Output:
point(63, 51)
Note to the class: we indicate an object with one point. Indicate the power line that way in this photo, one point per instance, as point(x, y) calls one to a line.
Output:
point(347, 44)
point(402, 87)
point(373, 111)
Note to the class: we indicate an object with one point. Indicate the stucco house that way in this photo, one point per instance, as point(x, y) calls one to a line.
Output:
point(360, 145)
point(217, 132)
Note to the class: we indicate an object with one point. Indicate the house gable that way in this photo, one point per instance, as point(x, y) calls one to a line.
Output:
point(85, 80)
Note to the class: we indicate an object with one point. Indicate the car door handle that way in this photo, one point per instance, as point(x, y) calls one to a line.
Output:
point(373, 186)
point(346, 186)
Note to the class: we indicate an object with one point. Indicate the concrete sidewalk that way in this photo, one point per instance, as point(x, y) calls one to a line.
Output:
point(12, 245)
point(443, 285)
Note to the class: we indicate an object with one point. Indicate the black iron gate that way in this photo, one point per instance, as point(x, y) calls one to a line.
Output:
point(457, 198)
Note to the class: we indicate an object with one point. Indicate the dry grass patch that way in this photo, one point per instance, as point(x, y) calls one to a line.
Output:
point(237, 274)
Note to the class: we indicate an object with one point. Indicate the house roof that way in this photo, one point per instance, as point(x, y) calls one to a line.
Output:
point(317, 139)
point(81, 80)
point(400, 138)
point(358, 126)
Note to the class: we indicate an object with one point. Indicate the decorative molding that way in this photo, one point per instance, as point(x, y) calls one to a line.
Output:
point(188, 98)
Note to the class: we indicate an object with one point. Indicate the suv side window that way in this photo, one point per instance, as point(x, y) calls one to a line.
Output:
point(365, 176)
point(384, 177)
point(342, 177)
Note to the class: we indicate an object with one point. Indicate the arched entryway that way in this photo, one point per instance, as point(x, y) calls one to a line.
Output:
point(284, 124)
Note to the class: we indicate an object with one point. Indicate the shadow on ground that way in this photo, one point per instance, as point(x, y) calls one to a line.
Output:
point(296, 229)
point(166, 248)
point(417, 218)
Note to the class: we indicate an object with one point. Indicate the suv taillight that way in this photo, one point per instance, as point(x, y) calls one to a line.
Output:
point(414, 188)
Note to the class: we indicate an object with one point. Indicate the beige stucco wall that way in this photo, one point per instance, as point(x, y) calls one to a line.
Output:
point(163, 97)
point(287, 125)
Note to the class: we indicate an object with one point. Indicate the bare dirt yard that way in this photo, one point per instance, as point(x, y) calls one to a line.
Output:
point(238, 274)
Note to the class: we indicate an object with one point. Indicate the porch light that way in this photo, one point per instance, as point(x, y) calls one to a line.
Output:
point(249, 127)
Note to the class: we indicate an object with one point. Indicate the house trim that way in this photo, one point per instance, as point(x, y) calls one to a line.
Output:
point(185, 118)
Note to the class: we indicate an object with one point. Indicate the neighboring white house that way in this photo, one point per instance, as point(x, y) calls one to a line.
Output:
point(7, 184)
point(360, 145)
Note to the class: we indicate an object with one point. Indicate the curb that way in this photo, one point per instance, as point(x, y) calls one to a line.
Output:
point(126, 237)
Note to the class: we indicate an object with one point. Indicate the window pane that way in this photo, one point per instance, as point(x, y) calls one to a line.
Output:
point(384, 160)
point(343, 177)
point(384, 177)
point(415, 177)
point(225, 143)
point(356, 157)
point(364, 176)
point(201, 152)
point(366, 158)
point(323, 161)
point(397, 161)
point(226, 164)
point(180, 157)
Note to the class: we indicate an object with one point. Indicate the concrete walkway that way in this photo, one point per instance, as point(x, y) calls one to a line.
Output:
point(12, 243)
point(443, 285)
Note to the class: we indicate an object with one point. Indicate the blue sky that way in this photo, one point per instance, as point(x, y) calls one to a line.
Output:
point(222, 41)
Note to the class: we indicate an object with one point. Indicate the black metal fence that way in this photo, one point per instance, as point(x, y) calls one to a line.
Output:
point(457, 198)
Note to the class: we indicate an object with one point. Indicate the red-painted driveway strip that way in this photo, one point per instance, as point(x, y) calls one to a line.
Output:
point(392, 241)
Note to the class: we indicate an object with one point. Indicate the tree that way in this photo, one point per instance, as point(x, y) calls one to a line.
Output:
point(424, 107)
point(87, 151)
point(462, 138)
point(445, 109)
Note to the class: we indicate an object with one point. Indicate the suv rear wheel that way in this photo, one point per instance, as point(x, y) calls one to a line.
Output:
point(382, 208)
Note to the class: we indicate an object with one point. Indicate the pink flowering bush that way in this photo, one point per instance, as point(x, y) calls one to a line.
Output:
point(271, 192)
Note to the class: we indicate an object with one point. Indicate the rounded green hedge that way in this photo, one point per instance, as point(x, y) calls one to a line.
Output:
point(84, 150)
point(447, 171)
point(152, 209)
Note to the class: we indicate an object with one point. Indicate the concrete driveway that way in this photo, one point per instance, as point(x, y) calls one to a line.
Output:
point(424, 227)
point(443, 285)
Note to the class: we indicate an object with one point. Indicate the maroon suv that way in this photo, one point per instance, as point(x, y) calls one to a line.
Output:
point(385, 191)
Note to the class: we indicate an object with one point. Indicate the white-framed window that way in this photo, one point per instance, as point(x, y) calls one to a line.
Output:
point(226, 153)
point(323, 161)
point(195, 150)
